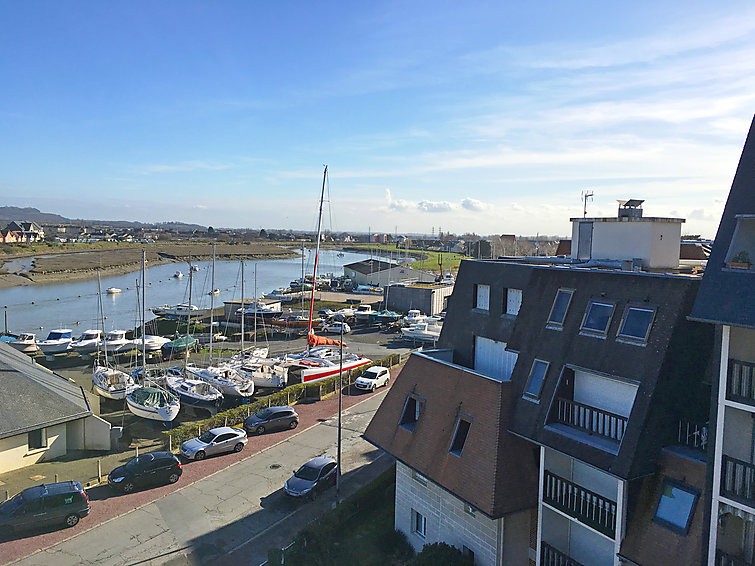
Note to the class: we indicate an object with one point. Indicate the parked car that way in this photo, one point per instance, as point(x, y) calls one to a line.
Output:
point(148, 469)
point(270, 419)
point(62, 503)
point(214, 441)
point(313, 477)
point(325, 312)
point(335, 327)
point(372, 378)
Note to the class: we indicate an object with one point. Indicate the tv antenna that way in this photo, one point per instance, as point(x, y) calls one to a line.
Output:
point(586, 195)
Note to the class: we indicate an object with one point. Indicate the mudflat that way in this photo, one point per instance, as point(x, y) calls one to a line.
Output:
point(63, 263)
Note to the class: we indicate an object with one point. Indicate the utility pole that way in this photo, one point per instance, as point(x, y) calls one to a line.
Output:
point(586, 195)
point(340, 390)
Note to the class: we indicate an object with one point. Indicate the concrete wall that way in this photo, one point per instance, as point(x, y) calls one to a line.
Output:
point(90, 433)
point(742, 344)
point(15, 453)
point(738, 434)
point(447, 521)
point(604, 393)
point(429, 301)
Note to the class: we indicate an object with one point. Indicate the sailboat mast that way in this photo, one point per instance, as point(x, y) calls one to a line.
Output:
point(242, 309)
point(317, 255)
point(144, 310)
point(256, 305)
point(212, 302)
point(102, 319)
point(188, 320)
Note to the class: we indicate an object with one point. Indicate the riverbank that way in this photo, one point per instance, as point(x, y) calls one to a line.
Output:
point(63, 264)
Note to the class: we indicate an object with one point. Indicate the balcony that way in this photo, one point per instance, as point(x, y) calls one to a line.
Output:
point(693, 435)
point(549, 556)
point(740, 385)
point(589, 419)
point(738, 480)
point(726, 559)
point(584, 505)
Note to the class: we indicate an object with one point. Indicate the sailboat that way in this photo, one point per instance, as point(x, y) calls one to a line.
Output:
point(108, 381)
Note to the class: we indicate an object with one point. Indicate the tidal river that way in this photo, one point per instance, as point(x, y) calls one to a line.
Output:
point(41, 308)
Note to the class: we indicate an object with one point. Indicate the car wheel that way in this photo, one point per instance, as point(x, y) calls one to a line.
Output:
point(373, 388)
point(293, 424)
point(260, 430)
point(71, 520)
point(199, 455)
point(239, 447)
point(173, 478)
point(128, 487)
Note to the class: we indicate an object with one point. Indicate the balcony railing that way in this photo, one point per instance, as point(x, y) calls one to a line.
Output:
point(693, 435)
point(738, 480)
point(550, 556)
point(584, 505)
point(726, 559)
point(740, 385)
point(590, 419)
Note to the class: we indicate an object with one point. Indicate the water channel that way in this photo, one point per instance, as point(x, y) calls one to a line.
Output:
point(41, 308)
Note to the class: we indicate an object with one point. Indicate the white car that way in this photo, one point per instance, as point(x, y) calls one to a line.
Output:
point(335, 328)
point(373, 377)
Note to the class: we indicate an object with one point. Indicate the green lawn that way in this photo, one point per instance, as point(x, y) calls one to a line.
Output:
point(426, 260)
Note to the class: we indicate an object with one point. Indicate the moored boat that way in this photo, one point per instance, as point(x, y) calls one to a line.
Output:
point(113, 290)
point(194, 392)
point(111, 383)
point(153, 403)
point(178, 346)
point(26, 343)
point(57, 342)
point(224, 377)
point(88, 342)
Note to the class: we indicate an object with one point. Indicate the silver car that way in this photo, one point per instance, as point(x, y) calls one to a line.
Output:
point(215, 441)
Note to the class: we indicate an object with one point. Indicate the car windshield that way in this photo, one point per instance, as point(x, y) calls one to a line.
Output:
point(264, 414)
point(207, 437)
point(308, 473)
point(370, 374)
point(11, 505)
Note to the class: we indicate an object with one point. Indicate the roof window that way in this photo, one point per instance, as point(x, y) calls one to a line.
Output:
point(411, 414)
point(535, 381)
point(675, 506)
point(559, 308)
point(598, 317)
point(460, 436)
point(636, 323)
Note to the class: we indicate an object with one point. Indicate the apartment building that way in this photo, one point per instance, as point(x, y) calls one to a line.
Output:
point(727, 301)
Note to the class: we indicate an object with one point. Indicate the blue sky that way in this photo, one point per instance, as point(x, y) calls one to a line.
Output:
point(489, 117)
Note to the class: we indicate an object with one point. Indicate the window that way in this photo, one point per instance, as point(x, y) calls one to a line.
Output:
point(492, 359)
point(512, 301)
point(598, 317)
point(419, 478)
point(460, 436)
point(411, 414)
point(482, 297)
point(636, 323)
point(560, 306)
point(419, 523)
point(535, 381)
point(676, 505)
point(37, 439)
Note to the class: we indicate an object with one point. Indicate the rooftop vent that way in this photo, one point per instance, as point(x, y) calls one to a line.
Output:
point(631, 208)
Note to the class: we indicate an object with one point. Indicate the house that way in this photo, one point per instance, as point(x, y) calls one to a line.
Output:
point(11, 237)
point(726, 301)
point(377, 273)
point(26, 231)
point(596, 378)
point(44, 414)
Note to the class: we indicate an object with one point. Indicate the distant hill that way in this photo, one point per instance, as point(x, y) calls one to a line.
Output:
point(9, 213)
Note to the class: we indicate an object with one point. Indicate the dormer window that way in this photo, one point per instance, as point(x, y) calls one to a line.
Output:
point(597, 318)
point(482, 297)
point(460, 436)
point(411, 414)
point(635, 326)
point(559, 308)
point(536, 379)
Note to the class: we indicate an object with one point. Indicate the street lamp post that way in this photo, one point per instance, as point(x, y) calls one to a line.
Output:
point(340, 389)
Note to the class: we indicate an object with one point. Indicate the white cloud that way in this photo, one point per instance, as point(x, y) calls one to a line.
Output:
point(435, 206)
point(474, 205)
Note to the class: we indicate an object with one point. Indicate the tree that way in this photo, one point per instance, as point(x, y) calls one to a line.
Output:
point(441, 554)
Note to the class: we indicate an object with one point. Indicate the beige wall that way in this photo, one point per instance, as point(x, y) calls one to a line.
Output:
point(15, 453)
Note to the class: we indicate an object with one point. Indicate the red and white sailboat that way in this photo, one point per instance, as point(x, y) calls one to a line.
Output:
point(323, 357)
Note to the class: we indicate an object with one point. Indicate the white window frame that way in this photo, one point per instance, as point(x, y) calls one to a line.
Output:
point(512, 308)
point(419, 524)
point(482, 297)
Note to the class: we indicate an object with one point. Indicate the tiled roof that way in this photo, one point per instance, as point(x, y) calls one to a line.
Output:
point(496, 473)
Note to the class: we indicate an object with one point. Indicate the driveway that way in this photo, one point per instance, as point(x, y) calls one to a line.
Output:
point(239, 510)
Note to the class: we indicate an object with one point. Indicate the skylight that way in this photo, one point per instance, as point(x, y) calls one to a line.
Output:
point(535, 381)
point(675, 506)
point(410, 415)
point(460, 436)
point(598, 317)
point(560, 306)
point(636, 323)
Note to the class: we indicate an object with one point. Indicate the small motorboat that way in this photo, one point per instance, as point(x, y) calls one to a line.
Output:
point(25, 343)
point(153, 403)
point(116, 342)
point(214, 292)
point(113, 290)
point(179, 345)
point(111, 383)
point(179, 312)
point(195, 268)
point(178, 275)
point(194, 392)
point(422, 331)
point(413, 317)
point(57, 342)
point(152, 343)
point(88, 342)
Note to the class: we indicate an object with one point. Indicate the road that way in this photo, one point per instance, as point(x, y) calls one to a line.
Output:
point(240, 510)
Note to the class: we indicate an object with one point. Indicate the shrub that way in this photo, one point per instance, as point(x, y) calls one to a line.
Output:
point(440, 554)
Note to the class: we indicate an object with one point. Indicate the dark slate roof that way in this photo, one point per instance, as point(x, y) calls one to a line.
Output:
point(369, 266)
point(669, 368)
point(727, 296)
point(496, 473)
point(33, 397)
point(647, 542)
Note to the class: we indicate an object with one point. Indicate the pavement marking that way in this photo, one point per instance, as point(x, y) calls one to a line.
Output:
point(300, 431)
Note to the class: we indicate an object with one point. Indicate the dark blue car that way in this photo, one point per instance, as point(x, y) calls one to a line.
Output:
point(313, 477)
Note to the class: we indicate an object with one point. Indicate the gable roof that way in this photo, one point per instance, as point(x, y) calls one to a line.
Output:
point(496, 472)
point(369, 266)
point(34, 397)
point(727, 296)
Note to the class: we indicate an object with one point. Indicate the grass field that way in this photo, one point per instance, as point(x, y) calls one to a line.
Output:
point(425, 259)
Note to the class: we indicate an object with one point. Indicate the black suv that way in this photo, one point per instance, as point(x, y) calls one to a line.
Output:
point(147, 469)
point(272, 418)
point(62, 503)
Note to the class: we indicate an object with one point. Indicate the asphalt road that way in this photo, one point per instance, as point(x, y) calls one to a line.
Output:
point(232, 516)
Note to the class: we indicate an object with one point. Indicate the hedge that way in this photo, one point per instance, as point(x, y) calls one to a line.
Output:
point(291, 395)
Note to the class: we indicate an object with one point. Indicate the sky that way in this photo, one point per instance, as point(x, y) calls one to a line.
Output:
point(485, 117)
